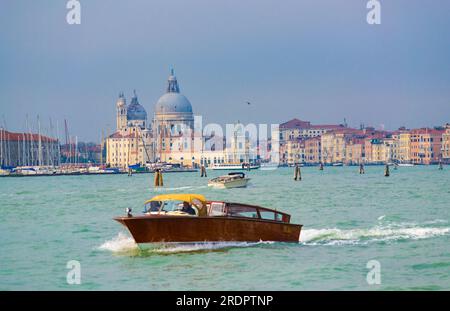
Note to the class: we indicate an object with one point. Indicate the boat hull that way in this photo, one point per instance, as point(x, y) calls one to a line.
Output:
point(237, 183)
point(187, 229)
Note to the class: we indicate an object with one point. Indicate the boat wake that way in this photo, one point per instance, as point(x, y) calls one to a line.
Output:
point(379, 233)
point(202, 247)
point(124, 244)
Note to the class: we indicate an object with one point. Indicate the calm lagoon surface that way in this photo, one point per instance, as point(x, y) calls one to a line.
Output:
point(402, 221)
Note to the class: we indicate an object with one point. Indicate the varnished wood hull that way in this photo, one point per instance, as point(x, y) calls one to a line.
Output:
point(185, 229)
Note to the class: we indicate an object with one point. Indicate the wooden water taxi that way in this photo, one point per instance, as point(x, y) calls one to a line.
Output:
point(190, 218)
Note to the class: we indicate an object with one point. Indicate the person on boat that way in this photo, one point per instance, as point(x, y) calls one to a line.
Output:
point(187, 208)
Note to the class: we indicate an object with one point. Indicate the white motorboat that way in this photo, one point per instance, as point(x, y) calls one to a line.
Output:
point(4, 172)
point(405, 164)
point(232, 180)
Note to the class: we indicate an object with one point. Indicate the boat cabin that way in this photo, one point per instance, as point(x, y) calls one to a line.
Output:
point(226, 209)
point(197, 205)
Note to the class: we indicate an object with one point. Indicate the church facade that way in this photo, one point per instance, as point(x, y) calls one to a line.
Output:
point(132, 142)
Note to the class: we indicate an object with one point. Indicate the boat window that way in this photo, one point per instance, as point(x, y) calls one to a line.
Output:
point(242, 211)
point(152, 206)
point(269, 215)
point(216, 209)
point(182, 206)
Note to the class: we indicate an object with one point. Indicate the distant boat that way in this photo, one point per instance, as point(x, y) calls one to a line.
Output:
point(232, 180)
point(4, 172)
point(33, 170)
point(234, 167)
point(338, 164)
point(405, 164)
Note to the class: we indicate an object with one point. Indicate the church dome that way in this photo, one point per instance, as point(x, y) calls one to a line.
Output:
point(173, 101)
point(135, 111)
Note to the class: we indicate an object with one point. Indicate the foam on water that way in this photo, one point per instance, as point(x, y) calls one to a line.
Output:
point(392, 232)
point(119, 244)
point(123, 243)
point(200, 247)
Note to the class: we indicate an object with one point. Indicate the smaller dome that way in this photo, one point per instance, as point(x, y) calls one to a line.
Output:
point(135, 111)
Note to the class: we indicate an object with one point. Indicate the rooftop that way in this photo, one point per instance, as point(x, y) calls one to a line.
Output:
point(10, 136)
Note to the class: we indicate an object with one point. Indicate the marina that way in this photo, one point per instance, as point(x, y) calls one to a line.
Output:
point(37, 171)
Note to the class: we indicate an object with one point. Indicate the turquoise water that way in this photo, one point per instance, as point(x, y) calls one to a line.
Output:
point(401, 221)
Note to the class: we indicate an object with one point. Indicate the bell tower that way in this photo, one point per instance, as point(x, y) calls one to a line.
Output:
point(121, 108)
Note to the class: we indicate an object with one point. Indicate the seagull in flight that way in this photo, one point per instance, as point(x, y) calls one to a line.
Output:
point(248, 103)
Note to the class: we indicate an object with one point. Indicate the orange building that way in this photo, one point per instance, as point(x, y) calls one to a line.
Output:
point(426, 145)
point(355, 151)
point(446, 144)
point(313, 150)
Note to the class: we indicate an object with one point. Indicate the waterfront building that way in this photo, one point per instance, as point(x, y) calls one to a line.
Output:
point(376, 150)
point(293, 152)
point(446, 144)
point(334, 143)
point(293, 136)
point(404, 147)
point(390, 149)
point(26, 149)
point(131, 143)
point(395, 147)
point(355, 151)
point(426, 145)
point(298, 129)
point(313, 150)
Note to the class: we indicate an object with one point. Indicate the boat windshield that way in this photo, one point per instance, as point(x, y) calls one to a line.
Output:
point(152, 206)
point(171, 206)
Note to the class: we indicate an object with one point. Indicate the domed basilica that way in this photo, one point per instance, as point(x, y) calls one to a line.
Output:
point(136, 141)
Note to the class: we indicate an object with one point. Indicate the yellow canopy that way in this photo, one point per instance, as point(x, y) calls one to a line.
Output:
point(196, 199)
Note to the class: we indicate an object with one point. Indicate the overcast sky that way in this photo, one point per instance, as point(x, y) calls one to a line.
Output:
point(316, 60)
